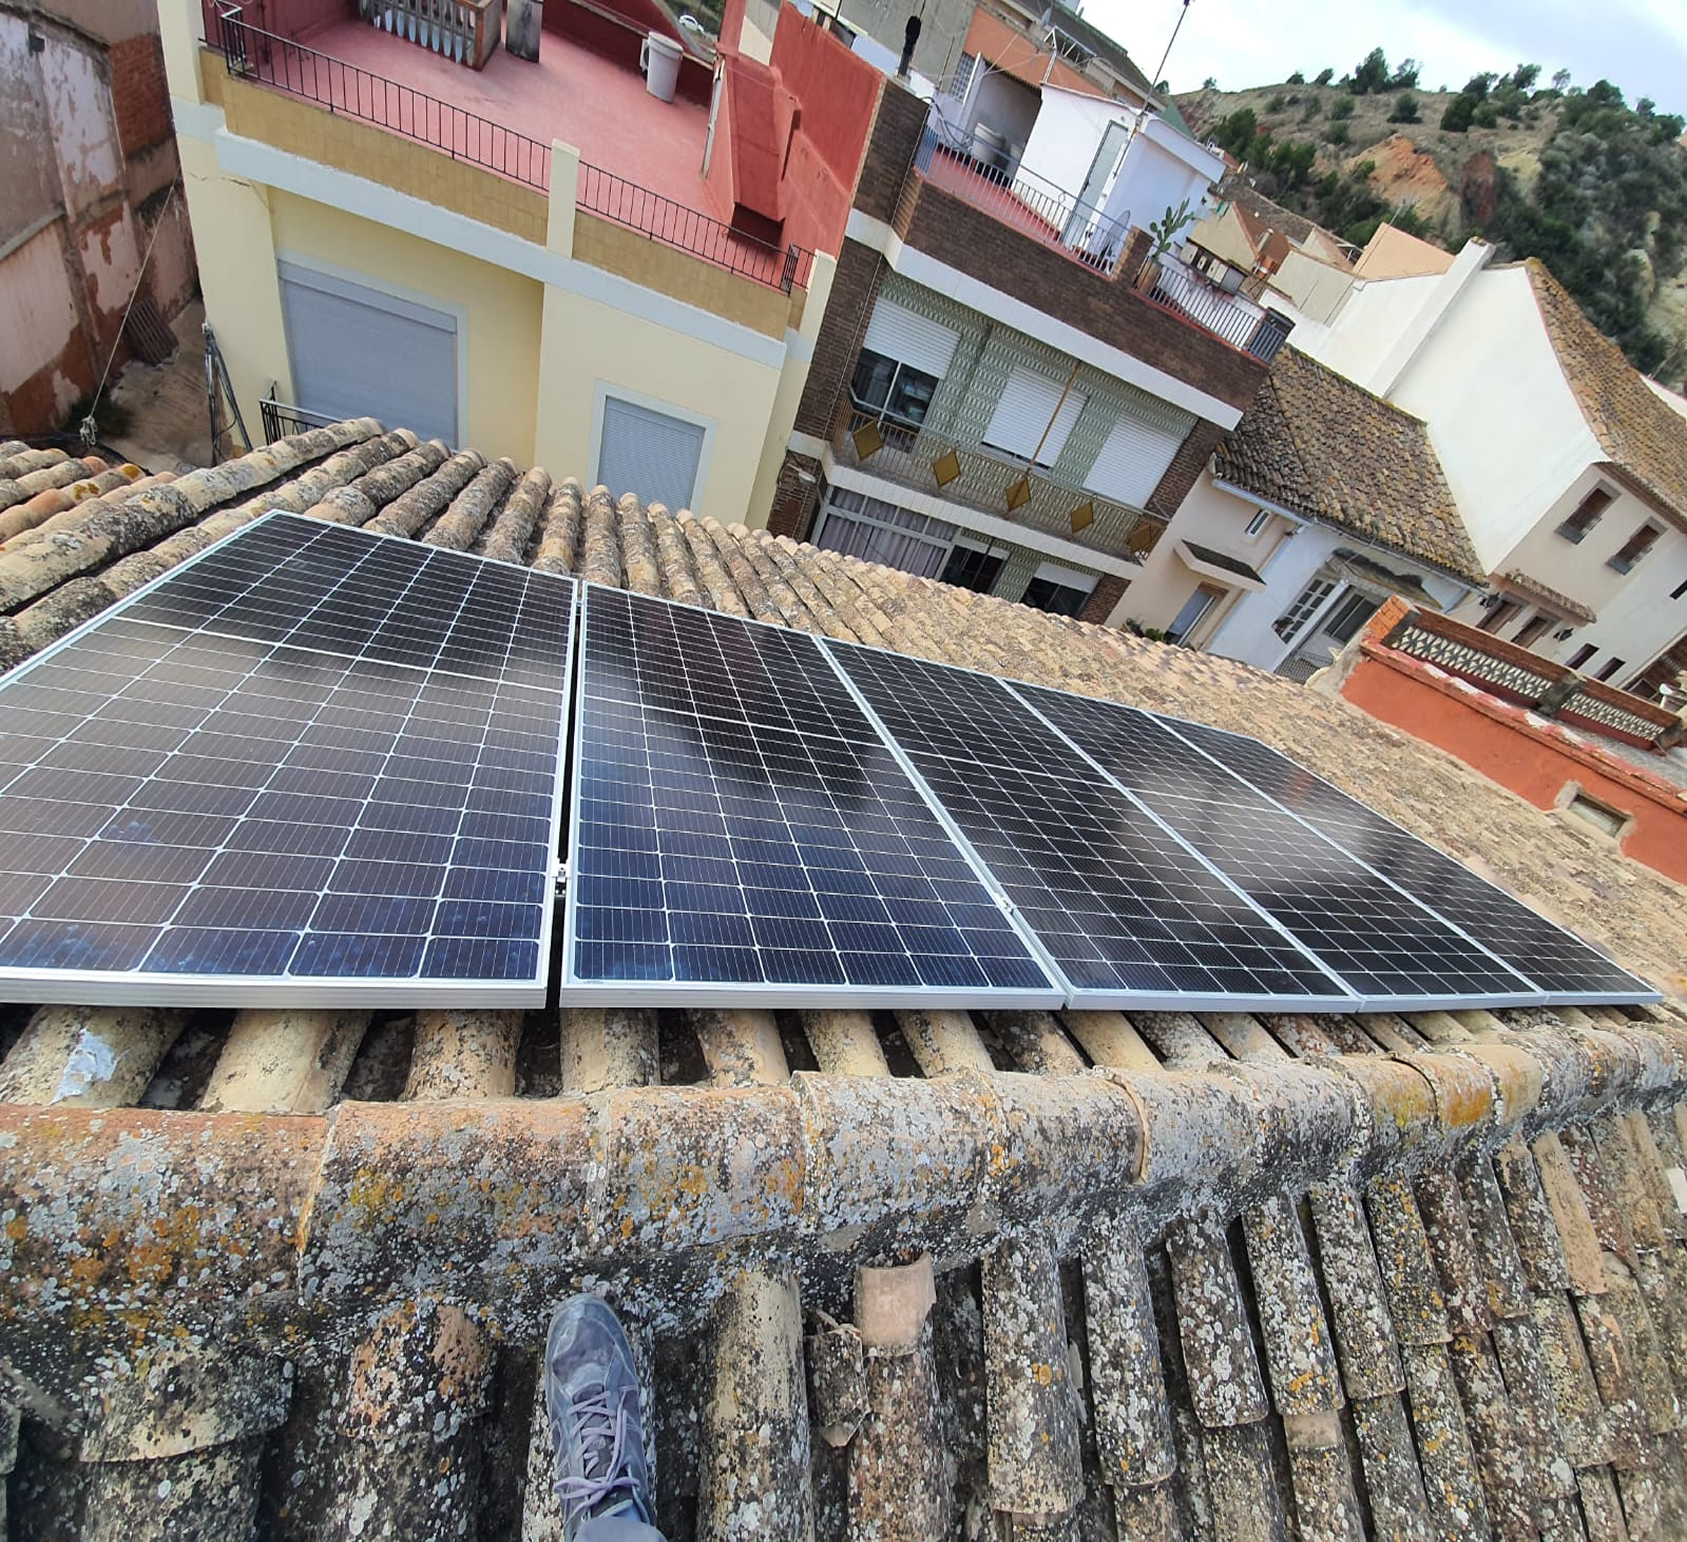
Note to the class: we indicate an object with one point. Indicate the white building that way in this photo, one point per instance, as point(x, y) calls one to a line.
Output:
point(1323, 502)
point(1569, 472)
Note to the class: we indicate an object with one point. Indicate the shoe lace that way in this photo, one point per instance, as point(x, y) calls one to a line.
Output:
point(603, 1422)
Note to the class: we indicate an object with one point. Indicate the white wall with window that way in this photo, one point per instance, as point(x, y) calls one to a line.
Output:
point(904, 357)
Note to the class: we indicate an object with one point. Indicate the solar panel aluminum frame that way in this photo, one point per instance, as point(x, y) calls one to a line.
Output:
point(576, 991)
point(1088, 1000)
point(138, 988)
point(1543, 998)
point(1532, 996)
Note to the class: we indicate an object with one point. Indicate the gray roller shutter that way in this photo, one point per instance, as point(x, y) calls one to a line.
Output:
point(356, 352)
point(649, 454)
point(1132, 460)
point(1028, 409)
point(910, 338)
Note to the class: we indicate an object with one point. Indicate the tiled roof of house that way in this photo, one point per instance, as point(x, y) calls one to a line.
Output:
point(1532, 588)
point(1266, 213)
point(284, 1274)
point(1319, 445)
point(1641, 434)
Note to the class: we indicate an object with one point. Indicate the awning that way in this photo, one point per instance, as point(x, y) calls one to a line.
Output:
point(1230, 571)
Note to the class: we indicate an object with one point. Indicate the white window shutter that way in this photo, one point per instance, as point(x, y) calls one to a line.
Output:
point(649, 454)
point(910, 338)
point(1022, 419)
point(1132, 461)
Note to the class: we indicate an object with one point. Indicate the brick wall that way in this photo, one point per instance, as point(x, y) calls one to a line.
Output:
point(1187, 465)
point(897, 127)
point(1106, 594)
point(795, 496)
point(1111, 311)
point(139, 93)
point(854, 288)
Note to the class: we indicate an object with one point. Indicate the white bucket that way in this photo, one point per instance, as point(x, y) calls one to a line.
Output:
point(659, 59)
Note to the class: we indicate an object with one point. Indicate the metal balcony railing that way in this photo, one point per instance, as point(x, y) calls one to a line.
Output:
point(283, 418)
point(981, 479)
point(1238, 321)
point(986, 174)
point(467, 31)
point(254, 54)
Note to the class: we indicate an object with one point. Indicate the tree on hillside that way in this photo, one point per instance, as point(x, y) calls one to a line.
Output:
point(1405, 77)
point(1525, 75)
point(1560, 80)
point(1405, 109)
point(1323, 77)
point(1296, 79)
point(1239, 133)
point(1460, 111)
point(1341, 107)
point(1371, 73)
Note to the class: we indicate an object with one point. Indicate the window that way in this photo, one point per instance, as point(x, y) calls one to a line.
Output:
point(961, 83)
point(898, 390)
point(1611, 821)
point(973, 567)
point(874, 531)
point(1587, 514)
point(1531, 629)
point(1288, 625)
point(1609, 668)
point(1499, 613)
point(1032, 420)
point(1258, 523)
point(649, 453)
point(1634, 548)
point(1132, 459)
point(1679, 590)
point(1194, 611)
point(1582, 655)
point(1351, 614)
point(1061, 599)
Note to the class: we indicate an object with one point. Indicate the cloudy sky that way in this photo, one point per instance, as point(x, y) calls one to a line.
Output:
point(1641, 45)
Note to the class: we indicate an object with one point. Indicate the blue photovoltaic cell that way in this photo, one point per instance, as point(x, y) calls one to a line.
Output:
point(1557, 961)
point(1127, 911)
point(1384, 943)
point(313, 760)
point(740, 825)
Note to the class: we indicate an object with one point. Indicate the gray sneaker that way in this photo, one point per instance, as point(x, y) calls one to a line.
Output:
point(597, 1432)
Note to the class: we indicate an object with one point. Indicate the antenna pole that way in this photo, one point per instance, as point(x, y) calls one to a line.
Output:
point(1160, 74)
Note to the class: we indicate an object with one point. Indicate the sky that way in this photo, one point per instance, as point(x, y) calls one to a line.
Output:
point(1640, 45)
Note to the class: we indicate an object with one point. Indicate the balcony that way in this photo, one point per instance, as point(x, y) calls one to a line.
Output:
point(979, 479)
point(641, 158)
point(987, 174)
point(1234, 317)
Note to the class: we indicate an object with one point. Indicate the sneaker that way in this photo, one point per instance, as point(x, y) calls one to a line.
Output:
point(597, 1431)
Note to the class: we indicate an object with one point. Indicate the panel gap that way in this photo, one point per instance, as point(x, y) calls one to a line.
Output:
point(678, 1051)
point(538, 1060)
point(897, 1055)
point(382, 1066)
point(793, 1036)
point(183, 1073)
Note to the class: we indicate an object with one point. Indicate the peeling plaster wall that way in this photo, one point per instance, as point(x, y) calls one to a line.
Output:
point(87, 162)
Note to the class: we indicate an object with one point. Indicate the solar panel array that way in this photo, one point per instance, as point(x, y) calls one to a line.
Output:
point(319, 766)
point(741, 828)
point(313, 764)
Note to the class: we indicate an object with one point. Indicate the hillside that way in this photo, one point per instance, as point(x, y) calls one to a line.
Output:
point(1596, 189)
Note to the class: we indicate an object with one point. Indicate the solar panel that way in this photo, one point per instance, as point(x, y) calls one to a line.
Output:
point(311, 765)
point(1555, 960)
point(1128, 912)
point(741, 830)
point(1390, 948)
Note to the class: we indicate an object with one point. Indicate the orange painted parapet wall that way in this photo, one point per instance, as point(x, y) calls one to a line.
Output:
point(1537, 760)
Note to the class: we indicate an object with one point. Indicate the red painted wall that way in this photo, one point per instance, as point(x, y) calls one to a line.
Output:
point(1497, 739)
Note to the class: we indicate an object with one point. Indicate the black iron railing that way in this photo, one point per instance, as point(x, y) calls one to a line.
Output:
point(282, 418)
point(603, 193)
point(254, 54)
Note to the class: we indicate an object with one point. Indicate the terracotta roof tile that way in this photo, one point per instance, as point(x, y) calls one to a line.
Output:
point(1156, 1281)
point(1319, 445)
point(1641, 434)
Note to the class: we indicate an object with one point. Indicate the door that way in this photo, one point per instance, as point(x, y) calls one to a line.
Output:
point(358, 352)
point(649, 454)
point(1338, 628)
point(1106, 162)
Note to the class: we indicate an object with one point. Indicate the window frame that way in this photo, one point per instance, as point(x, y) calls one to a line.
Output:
point(1627, 557)
point(1303, 608)
point(1578, 523)
point(1612, 666)
point(1579, 659)
point(886, 409)
point(1531, 629)
point(1256, 526)
point(1214, 594)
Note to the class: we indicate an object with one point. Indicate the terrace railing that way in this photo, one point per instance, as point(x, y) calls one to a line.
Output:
point(467, 31)
point(626, 203)
point(283, 418)
point(1239, 322)
point(254, 54)
point(978, 478)
point(988, 176)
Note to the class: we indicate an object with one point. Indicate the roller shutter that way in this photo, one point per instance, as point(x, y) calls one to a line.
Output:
point(1132, 461)
point(649, 454)
point(910, 338)
point(1023, 415)
point(357, 352)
